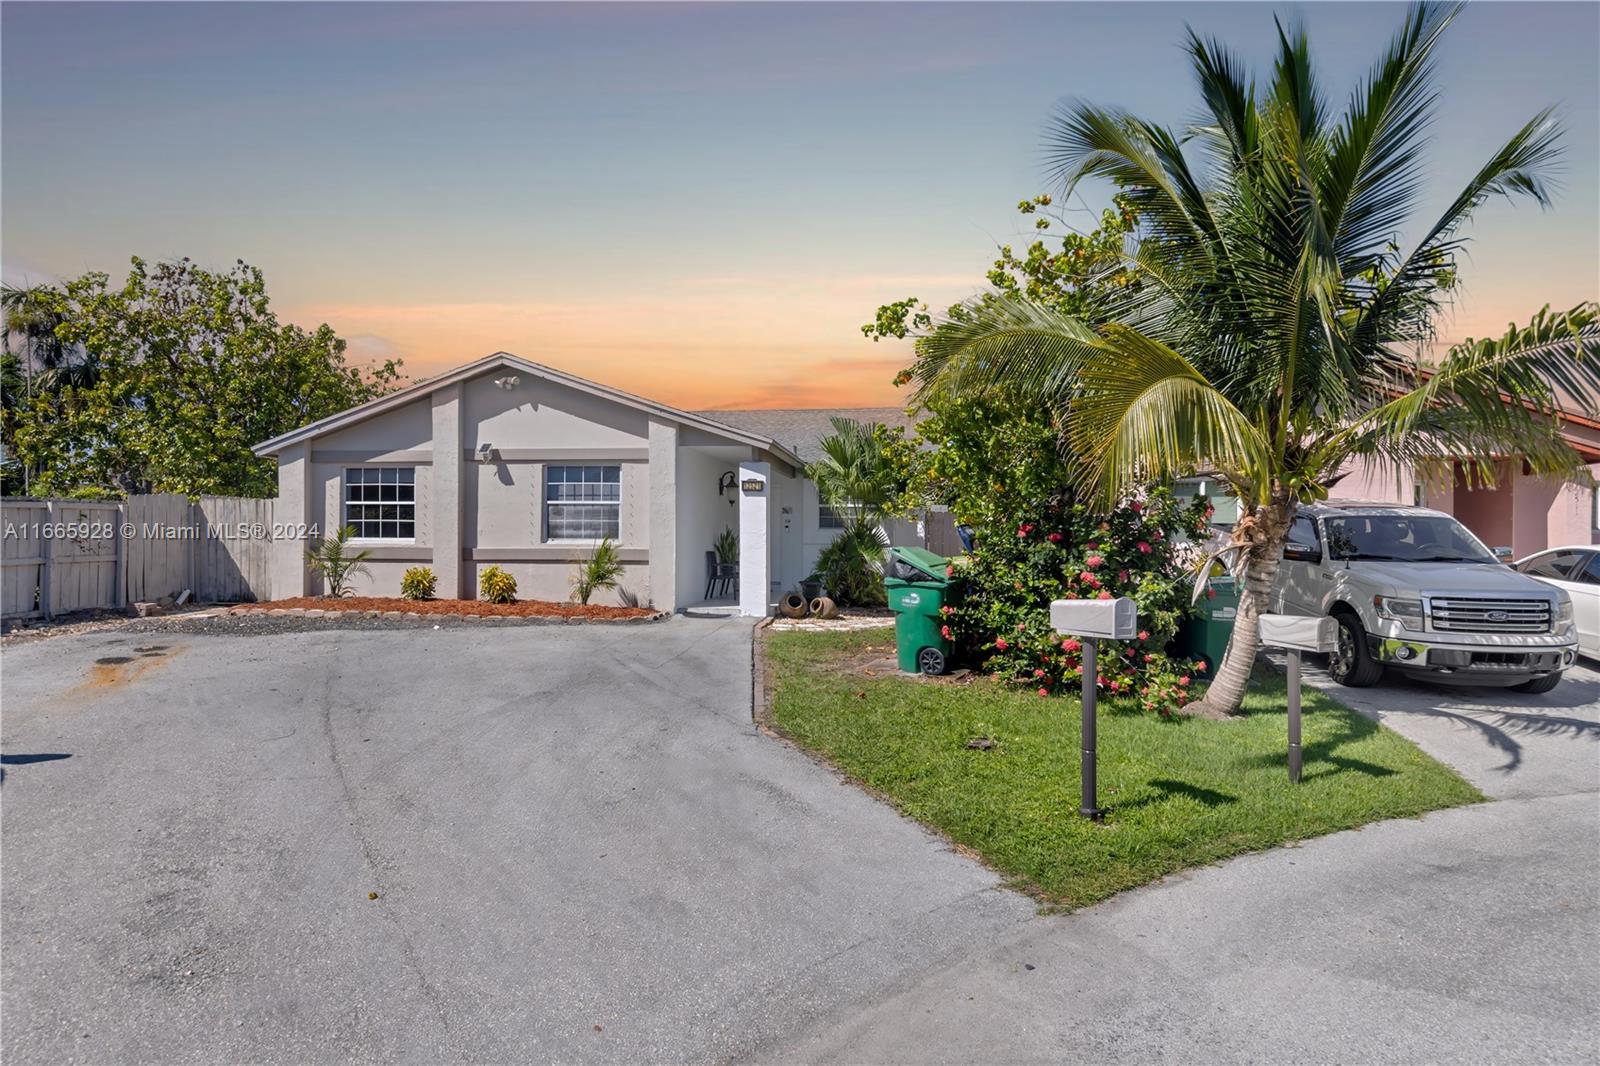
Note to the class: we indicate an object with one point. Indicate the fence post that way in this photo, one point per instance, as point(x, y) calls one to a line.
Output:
point(119, 598)
point(46, 568)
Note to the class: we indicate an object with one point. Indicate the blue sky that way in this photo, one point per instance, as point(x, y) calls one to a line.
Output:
point(697, 202)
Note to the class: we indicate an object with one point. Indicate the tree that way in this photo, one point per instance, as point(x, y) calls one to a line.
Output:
point(859, 480)
point(189, 369)
point(1272, 334)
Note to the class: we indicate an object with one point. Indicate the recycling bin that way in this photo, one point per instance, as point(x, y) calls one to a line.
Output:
point(1205, 636)
point(918, 587)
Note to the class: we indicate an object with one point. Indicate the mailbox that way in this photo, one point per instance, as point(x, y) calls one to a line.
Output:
point(1299, 632)
point(1116, 619)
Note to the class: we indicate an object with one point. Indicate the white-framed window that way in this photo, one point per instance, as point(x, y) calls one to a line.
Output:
point(828, 518)
point(582, 502)
point(381, 502)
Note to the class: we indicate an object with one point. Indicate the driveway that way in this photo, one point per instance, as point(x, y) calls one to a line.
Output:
point(581, 849)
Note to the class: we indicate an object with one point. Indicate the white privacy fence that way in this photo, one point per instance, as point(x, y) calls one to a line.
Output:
point(59, 556)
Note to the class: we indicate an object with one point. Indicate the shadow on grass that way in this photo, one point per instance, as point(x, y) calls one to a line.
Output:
point(1318, 758)
point(1166, 788)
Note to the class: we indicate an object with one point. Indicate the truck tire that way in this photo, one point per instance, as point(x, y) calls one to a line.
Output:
point(1540, 684)
point(1352, 664)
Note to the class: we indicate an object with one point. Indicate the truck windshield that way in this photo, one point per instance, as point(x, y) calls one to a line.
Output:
point(1404, 538)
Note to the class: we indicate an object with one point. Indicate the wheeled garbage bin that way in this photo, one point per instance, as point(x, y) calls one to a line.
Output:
point(1205, 636)
point(918, 585)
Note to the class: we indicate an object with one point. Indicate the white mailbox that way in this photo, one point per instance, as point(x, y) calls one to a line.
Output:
point(1116, 619)
point(1299, 632)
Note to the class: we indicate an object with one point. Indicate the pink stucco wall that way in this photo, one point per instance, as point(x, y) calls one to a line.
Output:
point(1375, 483)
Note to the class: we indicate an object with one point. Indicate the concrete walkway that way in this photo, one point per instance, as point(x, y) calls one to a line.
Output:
point(1470, 935)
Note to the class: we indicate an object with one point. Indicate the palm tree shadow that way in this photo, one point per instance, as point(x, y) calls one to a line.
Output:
point(1319, 758)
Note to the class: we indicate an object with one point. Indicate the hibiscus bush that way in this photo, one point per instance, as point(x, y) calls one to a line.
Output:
point(1064, 550)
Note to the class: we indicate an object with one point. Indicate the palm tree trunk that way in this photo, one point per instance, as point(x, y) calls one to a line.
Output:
point(1263, 533)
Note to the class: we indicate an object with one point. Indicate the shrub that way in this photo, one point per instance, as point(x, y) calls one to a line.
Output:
point(599, 571)
point(1063, 551)
point(332, 558)
point(418, 583)
point(726, 546)
point(497, 586)
point(851, 568)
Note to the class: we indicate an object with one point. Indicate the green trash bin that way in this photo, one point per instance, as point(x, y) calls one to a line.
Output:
point(1205, 636)
point(918, 586)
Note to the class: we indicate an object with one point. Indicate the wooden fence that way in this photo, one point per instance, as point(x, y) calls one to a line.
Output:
point(58, 556)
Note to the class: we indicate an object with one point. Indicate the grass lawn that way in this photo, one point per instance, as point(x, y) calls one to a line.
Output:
point(1180, 791)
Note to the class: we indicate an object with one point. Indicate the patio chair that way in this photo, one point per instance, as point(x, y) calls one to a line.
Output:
point(721, 575)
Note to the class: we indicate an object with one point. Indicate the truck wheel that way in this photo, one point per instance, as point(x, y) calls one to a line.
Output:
point(1351, 663)
point(1540, 684)
point(930, 661)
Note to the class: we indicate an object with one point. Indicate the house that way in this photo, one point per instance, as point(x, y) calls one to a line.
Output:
point(507, 462)
point(1519, 515)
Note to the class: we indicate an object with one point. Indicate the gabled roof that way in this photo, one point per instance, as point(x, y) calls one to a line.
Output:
point(802, 429)
point(417, 390)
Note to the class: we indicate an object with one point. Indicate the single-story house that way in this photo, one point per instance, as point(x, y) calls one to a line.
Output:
point(507, 462)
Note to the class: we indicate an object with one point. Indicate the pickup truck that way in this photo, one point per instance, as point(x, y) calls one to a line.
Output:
point(1414, 590)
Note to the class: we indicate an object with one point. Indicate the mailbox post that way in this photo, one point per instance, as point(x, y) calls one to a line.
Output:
point(1092, 621)
point(1297, 634)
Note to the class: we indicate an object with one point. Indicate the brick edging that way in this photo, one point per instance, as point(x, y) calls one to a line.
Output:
point(420, 616)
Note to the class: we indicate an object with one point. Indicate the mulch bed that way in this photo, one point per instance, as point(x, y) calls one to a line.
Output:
point(593, 612)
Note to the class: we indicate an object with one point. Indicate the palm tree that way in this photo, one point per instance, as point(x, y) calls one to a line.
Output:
point(1273, 329)
point(858, 479)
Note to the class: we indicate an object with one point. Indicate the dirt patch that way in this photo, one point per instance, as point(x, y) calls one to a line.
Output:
point(458, 608)
point(112, 672)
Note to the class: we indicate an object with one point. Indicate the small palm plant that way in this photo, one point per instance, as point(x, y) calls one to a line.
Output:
point(726, 546)
point(599, 571)
point(332, 559)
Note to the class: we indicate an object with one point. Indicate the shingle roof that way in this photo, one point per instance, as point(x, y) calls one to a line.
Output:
point(800, 429)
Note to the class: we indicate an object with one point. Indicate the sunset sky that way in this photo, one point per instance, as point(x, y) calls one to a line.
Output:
point(699, 203)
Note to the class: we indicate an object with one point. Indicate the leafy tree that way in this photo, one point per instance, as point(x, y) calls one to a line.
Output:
point(1272, 330)
point(189, 369)
point(857, 477)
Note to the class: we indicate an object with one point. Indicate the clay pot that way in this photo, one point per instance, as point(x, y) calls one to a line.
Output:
point(793, 606)
point(823, 607)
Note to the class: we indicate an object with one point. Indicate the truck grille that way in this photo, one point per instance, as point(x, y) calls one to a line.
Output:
point(1491, 616)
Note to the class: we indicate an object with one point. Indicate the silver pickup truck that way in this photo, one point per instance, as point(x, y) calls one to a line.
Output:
point(1414, 590)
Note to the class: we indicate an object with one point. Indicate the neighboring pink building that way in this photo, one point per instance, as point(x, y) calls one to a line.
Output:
point(1524, 513)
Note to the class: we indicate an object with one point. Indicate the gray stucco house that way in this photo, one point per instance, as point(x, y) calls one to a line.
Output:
point(508, 462)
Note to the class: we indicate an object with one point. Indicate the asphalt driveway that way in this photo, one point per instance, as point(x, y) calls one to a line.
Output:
point(580, 846)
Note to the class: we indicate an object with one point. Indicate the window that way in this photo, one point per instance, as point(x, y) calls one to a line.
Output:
point(1404, 538)
point(582, 502)
point(1304, 544)
point(1560, 565)
point(1589, 575)
point(381, 502)
point(828, 518)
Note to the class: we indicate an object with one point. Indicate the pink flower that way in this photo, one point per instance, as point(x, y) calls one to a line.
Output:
point(1144, 634)
point(1122, 575)
point(1211, 594)
point(1038, 673)
point(949, 571)
point(1093, 561)
point(1024, 529)
point(1000, 644)
point(1021, 626)
point(1104, 595)
point(1070, 645)
point(1200, 667)
point(1136, 507)
point(1093, 545)
point(946, 609)
point(1146, 656)
point(1184, 680)
point(1044, 692)
point(1143, 546)
point(944, 631)
point(1054, 538)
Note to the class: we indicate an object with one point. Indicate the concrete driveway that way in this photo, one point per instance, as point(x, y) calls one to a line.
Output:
point(581, 849)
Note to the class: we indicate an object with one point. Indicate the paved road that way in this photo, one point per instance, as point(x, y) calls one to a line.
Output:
point(1471, 935)
point(582, 851)
point(571, 828)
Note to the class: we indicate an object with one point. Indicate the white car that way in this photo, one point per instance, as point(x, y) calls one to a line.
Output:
point(1576, 570)
point(1413, 590)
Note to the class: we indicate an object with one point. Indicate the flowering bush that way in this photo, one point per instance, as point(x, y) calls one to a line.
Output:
point(1062, 550)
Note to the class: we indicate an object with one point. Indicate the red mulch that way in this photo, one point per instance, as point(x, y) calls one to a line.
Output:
point(519, 609)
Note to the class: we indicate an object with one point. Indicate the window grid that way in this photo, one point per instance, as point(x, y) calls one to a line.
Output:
point(582, 502)
point(380, 502)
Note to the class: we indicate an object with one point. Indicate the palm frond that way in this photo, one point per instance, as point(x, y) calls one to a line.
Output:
point(1008, 344)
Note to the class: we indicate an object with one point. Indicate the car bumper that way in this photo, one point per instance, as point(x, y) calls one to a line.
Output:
point(1480, 656)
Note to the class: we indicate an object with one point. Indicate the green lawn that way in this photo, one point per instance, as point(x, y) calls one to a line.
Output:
point(1181, 791)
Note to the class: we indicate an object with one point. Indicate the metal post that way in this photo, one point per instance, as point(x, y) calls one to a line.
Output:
point(1294, 714)
point(1090, 807)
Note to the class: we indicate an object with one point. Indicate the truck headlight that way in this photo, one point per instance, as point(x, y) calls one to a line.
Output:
point(1407, 612)
point(1564, 610)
